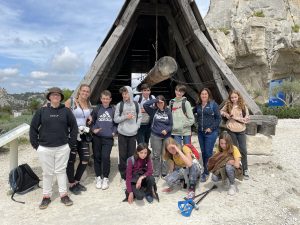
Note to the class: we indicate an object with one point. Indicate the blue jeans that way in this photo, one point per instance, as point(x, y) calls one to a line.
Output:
point(186, 139)
point(207, 142)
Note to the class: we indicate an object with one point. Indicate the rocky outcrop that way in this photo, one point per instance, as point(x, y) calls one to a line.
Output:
point(8, 100)
point(259, 40)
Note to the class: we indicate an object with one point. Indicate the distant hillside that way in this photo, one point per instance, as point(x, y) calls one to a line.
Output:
point(18, 101)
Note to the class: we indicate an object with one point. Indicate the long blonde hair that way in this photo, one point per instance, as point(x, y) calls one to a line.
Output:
point(169, 141)
point(241, 102)
point(78, 92)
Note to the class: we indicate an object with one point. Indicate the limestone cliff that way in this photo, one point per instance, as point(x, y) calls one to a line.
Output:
point(258, 39)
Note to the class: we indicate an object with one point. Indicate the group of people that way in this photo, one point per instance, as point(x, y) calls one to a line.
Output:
point(61, 131)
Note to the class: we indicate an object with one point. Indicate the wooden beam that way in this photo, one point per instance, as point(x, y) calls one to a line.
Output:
point(151, 9)
point(183, 50)
point(103, 58)
point(191, 92)
point(216, 59)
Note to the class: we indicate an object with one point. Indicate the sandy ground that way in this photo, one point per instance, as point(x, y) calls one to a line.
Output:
point(271, 196)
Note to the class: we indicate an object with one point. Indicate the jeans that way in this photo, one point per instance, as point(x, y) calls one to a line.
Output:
point(239, 140)
point(84, 156)
point(230, 173)
point(127, 146)
point(143, 134)
point(159, 166)
point(186, 139)
point(192, 172)
point(54, 162)
point(207, 142)
point(101, 149)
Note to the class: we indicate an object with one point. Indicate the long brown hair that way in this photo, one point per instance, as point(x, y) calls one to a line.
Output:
point(241, 102)
point(229, 143)
point(169, 141)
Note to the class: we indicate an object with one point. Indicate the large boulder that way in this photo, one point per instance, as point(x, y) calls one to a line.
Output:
point(258, 39)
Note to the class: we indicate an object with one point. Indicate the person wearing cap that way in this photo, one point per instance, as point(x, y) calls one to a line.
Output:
point(53, 132)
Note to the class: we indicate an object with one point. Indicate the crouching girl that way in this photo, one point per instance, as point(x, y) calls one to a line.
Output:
point(182, 165)
point(140, 182)
point(225, 163)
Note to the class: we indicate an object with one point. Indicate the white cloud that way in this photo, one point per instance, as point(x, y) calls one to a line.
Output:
point(39, 74)
point(66, 61)
point(8, 72)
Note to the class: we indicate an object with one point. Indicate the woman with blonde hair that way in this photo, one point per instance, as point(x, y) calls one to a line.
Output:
point(81, 108)
point(182, 165)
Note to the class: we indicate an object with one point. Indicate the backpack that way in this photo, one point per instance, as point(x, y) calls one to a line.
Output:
point(183, 105)
point(195, 152)
point(22, 180)
point(141, 98)
point(136, 108)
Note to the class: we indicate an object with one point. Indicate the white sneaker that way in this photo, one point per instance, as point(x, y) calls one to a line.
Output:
point(98, 182)
point(105, 183)
point(232, 189)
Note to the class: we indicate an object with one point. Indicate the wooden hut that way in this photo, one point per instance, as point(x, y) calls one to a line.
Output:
point(146, 30)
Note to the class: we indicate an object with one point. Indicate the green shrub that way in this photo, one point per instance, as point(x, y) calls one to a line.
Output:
point(224, 30)
point(282, 112)
point(259, 13)
point(296, 28)
point(9, 122)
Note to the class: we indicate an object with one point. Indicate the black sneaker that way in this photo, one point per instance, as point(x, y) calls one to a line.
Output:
point(75, 189)
point(45, 202)
point(81, 187)
point(66, 200)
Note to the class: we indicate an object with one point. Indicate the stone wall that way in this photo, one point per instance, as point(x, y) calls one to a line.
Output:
point(256, 39)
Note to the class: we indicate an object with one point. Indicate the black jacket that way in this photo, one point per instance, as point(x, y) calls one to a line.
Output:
point(53, 127)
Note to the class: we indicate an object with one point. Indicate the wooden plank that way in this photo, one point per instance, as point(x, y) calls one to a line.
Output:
point(191, 92)
point(108, 49)
point(183, 50)
point(216, 59)
point(151, 9)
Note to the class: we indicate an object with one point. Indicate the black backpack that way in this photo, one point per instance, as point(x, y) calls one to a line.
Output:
point(182, 107)
point(22, 180)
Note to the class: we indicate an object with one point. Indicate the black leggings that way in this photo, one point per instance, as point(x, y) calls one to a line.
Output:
point(84, 156)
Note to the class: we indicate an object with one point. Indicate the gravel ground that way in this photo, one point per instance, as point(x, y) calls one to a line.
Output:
point(271, 196)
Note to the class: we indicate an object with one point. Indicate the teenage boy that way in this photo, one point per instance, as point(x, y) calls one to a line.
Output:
point(144, 131)
point(183, 117)
point(104, 129)
point(128, 116)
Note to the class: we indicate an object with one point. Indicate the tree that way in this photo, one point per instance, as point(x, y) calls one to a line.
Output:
point(67, 93)
point(6, 109)
point(34, 105)
point(291, 89)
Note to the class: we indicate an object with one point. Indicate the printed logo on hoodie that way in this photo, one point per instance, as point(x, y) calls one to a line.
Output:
point(105, 117)
point(162, 116)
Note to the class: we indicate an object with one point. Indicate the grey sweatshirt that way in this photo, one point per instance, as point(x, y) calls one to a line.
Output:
point(128, 127)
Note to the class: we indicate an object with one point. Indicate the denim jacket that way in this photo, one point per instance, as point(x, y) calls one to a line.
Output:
point(209, 117)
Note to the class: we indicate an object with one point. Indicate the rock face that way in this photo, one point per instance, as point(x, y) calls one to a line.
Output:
point(258, 39)
point(8, 100)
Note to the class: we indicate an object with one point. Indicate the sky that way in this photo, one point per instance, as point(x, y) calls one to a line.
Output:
point(53, 43)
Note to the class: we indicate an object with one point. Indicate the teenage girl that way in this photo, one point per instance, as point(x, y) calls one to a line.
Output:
point(237, 115)
point(139, 180)
point(225, 163)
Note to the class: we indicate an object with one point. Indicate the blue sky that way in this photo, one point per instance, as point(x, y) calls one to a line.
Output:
point(53, 43)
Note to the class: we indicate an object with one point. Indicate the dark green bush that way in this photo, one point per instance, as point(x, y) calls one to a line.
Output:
point(282, 112)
